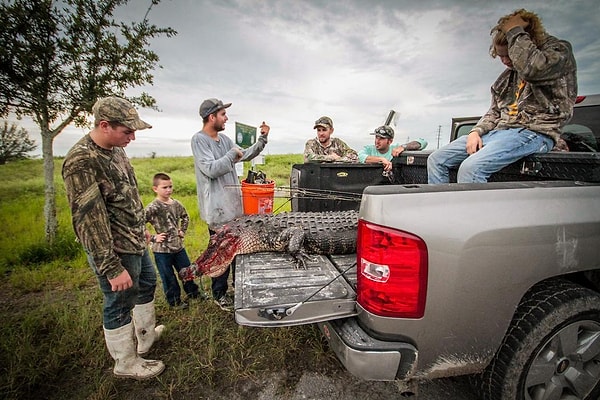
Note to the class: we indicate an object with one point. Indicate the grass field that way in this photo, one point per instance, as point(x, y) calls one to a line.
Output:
point(51, 341)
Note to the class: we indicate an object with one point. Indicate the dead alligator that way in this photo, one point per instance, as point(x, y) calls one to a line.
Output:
point(297, 233)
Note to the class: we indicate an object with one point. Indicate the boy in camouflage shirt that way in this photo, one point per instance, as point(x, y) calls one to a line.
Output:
point(170, 221)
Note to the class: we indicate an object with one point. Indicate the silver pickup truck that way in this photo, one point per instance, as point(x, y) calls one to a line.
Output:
point(500, 281)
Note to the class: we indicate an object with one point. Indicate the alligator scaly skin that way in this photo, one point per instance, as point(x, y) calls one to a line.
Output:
point(297, 233)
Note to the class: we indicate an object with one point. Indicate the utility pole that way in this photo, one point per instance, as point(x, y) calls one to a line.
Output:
point(438, 136)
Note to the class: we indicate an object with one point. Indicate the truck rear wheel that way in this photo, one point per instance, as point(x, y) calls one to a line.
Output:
point(551, 349)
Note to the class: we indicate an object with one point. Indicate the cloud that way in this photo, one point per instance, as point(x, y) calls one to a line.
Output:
point(288, 62)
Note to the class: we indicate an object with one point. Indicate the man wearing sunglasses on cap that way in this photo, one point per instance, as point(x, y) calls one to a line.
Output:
point(383, 150)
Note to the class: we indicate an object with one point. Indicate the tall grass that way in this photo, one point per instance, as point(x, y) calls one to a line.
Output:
point(51, 341)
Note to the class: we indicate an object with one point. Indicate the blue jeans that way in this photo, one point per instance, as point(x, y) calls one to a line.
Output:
point(167, 264)
point(500, 148)
point(219, 284)
point(118, 305)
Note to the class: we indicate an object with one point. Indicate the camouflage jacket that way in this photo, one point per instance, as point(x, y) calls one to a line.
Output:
point(107, 212)
point(545, 103)
point(313, 151)
point(168, 218)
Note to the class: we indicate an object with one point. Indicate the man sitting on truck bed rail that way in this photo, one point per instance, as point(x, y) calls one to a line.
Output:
point(531, 101)
point(323, 148)
point(383, 150)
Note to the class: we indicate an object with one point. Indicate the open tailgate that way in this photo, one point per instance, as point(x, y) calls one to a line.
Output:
point(271, 291)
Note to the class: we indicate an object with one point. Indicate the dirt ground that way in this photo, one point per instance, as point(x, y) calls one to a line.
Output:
point(343, 386)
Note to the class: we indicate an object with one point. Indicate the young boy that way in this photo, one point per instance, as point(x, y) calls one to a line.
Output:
point(170, 221)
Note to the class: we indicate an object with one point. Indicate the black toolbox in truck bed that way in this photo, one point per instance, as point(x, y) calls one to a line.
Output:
point(411, 168)
point(339, 186)
point(332, 186)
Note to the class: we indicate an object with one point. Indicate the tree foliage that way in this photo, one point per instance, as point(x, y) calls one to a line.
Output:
point(57, 57)
point(15, 143)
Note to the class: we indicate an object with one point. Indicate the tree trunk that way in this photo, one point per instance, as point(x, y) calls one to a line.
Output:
point(49, 189)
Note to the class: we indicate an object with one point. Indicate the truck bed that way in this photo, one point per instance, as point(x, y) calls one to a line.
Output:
point(273, 297)
point(338, 186)
point(411, 168)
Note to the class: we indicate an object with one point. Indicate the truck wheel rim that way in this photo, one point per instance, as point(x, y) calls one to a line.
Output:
point(567, 365)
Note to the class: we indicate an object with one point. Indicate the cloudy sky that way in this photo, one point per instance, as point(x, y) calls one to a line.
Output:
point(289, 62)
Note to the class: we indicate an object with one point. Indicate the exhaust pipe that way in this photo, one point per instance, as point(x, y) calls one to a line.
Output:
point(391, 118)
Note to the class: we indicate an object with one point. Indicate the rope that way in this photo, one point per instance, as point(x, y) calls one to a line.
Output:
point(312, 193)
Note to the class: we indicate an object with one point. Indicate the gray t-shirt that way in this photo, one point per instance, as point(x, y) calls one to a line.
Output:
point(217, 184)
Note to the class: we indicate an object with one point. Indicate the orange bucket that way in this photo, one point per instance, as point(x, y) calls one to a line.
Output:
point(258, 197)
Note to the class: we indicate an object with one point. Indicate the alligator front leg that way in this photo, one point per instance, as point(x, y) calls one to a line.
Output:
point(292, 239)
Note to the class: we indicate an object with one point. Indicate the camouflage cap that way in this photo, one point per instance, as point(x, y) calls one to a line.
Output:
point(325, 122)
point(212, 105)
point(384, 131)
point(116, 109)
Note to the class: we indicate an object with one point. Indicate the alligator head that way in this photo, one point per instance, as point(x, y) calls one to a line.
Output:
point(220, 252)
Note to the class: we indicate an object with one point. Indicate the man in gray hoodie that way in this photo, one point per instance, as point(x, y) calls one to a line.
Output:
point(217, 183)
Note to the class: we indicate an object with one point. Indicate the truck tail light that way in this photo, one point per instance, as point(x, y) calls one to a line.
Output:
point(392, 271)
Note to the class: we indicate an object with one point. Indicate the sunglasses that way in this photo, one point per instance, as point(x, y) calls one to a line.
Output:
point(383, 132)
point(215, 108)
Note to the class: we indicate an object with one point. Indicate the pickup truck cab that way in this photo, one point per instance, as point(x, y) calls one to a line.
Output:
point(578, 133)
point(499, 280)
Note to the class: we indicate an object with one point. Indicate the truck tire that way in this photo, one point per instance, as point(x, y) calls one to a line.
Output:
point(551, 349)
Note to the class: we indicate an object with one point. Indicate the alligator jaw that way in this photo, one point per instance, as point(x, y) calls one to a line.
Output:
point(222, 249)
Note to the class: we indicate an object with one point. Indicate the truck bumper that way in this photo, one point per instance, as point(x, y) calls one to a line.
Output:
point(367, 357)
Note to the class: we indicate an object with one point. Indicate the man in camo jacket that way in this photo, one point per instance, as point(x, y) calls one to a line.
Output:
point(532, 100)
point(324, 148)
point(108, 219)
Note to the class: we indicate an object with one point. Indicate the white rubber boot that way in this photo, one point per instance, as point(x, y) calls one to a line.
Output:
point(128, 364)
point(146, 331)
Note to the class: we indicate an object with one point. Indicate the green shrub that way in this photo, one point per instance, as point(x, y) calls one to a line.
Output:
point(64, 248)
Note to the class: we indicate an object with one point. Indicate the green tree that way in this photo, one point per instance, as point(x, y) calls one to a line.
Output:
point(14, 143)
point(57, 57)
